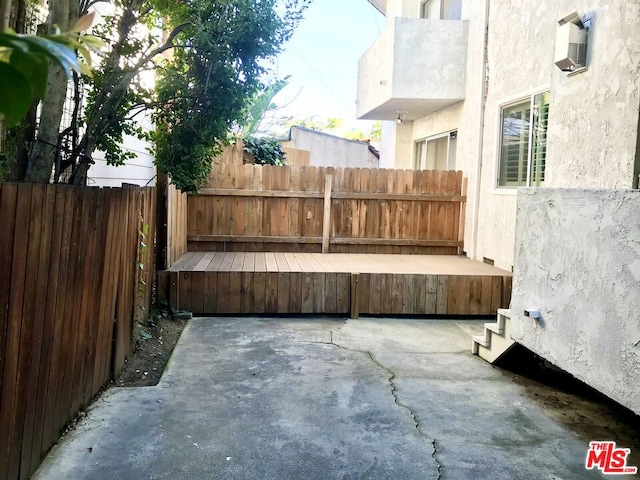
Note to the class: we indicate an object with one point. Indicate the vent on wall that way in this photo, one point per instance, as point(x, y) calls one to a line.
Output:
point(571, 43)
point(488, 261)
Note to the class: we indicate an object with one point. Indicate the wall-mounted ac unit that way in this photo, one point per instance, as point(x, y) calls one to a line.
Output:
point(571, 43)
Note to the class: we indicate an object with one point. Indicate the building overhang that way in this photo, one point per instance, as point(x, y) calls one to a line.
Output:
point(380, 5)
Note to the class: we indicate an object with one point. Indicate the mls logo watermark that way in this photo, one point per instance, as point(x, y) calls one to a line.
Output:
point(609, 459)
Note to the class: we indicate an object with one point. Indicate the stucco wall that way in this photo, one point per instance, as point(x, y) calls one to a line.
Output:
point(464, 116)
point(404, 146)
point(429, 58)
point(416, 66)
point(593, 120)
point(331, 151)
point(593, 116)
point(375, 72)
point(388, 145)
point(578, 262)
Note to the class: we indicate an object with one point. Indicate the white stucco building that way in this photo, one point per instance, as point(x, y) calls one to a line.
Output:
point(552, 157)
point(328, 150)
point(475, 87)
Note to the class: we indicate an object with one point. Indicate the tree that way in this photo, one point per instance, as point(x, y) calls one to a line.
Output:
point(24, 67)
point(24, 72)
point(265, 151)
point(202, 87)
point(62, 14)
point(259, 106)
point(205, 90)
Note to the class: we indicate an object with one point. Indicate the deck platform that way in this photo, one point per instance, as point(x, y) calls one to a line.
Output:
point(272, 282)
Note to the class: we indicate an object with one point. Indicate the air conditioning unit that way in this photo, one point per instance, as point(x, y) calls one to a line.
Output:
point(571, 43)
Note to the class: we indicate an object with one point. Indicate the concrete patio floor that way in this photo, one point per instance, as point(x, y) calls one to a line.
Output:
point(249, 398)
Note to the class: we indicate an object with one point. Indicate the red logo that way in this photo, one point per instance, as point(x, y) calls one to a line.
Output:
point(609, 459)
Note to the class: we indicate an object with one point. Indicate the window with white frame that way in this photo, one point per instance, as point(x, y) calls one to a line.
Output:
point(523, 142)
point(437, 152)
point(441, 9)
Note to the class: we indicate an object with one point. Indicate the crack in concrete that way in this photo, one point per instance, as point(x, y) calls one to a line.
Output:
point(434, 455)
point(394, 392)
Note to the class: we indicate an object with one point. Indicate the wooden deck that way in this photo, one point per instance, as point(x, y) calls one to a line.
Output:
point(274, 282)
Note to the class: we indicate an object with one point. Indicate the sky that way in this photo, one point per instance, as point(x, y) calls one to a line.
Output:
point(322, 60)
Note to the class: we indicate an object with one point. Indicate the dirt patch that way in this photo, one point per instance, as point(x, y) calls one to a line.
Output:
point(588, 413)
point(155, 344)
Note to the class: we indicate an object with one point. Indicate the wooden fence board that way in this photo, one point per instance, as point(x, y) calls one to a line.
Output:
point(8, 199)
point(9, 417)
point(49, 329)
point(58, 294)
point(367, 211)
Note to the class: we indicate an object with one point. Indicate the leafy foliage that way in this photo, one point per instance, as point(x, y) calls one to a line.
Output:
point(205, 89)
point(107, 119)
point(265, 151)
point(260, 104)
point(24, 65)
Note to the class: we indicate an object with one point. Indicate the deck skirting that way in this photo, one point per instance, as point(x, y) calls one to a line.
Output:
point(242, 283)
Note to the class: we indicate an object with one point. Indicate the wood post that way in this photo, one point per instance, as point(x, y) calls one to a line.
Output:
point(463, 208)
point(355, 295)
point(326, 223)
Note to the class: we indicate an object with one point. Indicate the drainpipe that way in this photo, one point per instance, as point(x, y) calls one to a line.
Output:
point(483, 104)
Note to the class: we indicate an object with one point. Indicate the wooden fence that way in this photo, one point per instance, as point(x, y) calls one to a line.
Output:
point(72, 273)
point(235, 154)
point(325, 209)
point(176, 225)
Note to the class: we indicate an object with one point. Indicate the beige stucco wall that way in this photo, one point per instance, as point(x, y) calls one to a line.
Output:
point(404, 146)
point(593, 121)
point(578, 262)
point(375, 72)
point(593, 116)
point(416, 66)
point(402, 8)
point(388, 145)
point(463, 116)
point(331, 151)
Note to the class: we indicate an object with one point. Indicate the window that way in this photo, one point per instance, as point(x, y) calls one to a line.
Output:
point(436, 153)
point(523, 142)
point(441, 9)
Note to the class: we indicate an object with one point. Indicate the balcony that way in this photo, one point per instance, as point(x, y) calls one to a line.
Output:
point(416, 67)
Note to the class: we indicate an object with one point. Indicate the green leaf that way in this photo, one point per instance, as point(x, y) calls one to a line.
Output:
point(12, 42)
point(57, 49)
point(15, 94)
point(34, 67)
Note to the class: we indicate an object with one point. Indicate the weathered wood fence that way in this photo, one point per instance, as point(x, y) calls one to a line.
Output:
point(73, 264)
point(318, 209)
point(176, 225)
point(235, 154)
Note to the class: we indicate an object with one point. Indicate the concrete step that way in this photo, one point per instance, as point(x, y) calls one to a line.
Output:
point(496, 340)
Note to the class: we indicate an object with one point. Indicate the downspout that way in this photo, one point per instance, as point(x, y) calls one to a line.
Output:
point(483, 104)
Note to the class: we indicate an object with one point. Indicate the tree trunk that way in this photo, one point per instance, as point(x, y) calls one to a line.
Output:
point(5, 14)
point(63, 13)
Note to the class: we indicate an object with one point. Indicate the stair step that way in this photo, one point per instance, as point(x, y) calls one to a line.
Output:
point(498, 348)
point(495, 328)
point(482, 341)
point(496, 340)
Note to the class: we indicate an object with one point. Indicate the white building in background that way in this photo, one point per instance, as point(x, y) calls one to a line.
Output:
point(528, 94)
point(473, 86)
point(137, 171)
point(330, 150)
